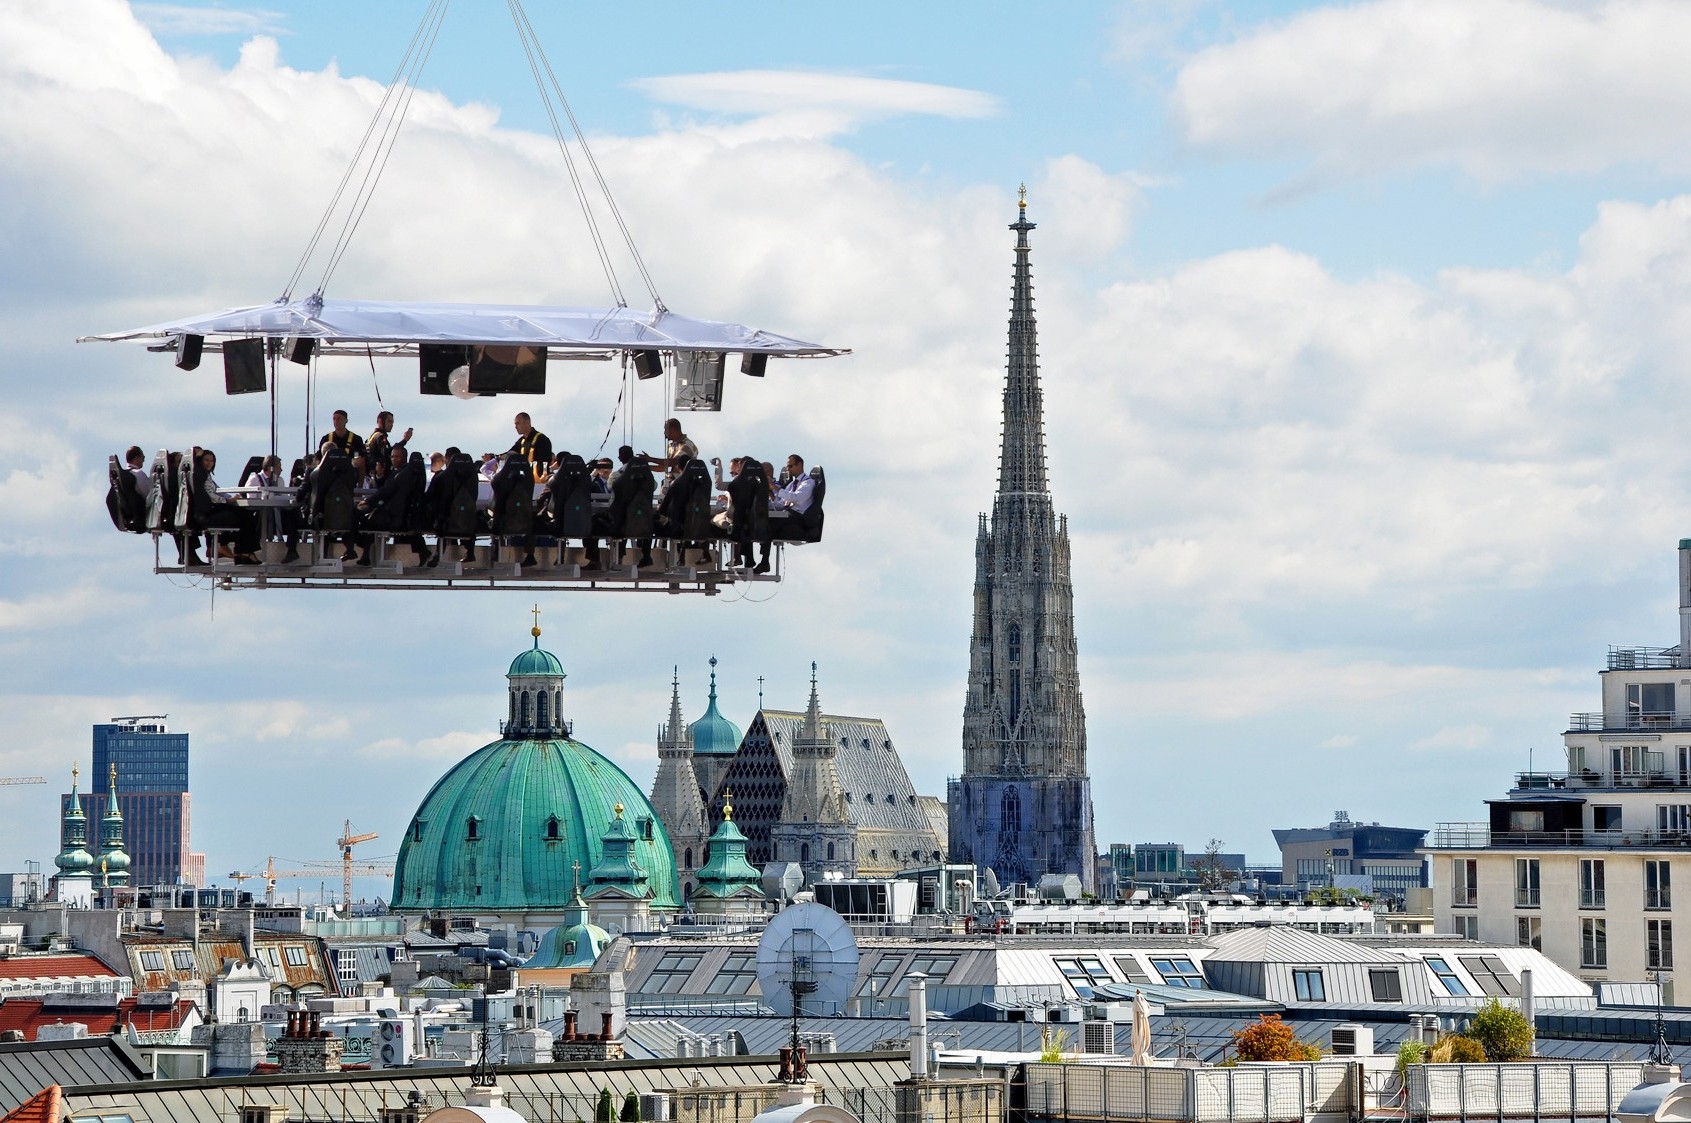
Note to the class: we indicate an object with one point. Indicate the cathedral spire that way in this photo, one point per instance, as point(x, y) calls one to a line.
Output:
point(813, 712)
point(1021, 460)
point(677, 727)
point(114, 860)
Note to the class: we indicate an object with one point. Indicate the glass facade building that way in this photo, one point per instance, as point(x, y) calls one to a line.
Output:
point(152, 793)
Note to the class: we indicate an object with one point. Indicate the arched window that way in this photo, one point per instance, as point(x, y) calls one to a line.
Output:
point(1015, 644)
point(472, 829)
point(1015, 697)
point(1010, 811)
point(830, 851)
point(558, 705)
point(552, 829)
point(525, 710)
point(687, 859)
point(804, 852)
point(416, 830)
point(540, 709)
point(513, 718)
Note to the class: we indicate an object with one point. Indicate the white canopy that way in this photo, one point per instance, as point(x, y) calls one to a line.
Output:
point(388, 323)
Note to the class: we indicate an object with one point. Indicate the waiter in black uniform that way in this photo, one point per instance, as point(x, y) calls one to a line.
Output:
point(532, 445)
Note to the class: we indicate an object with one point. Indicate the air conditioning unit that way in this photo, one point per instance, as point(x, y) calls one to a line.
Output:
point(391, 1046)
point(1353, 1041)
point(1098, 1037)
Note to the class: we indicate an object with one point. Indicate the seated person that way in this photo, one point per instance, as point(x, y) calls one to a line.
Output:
point(601, 482)
point(216, 513)
point(724, 519)
point(389, 509)
point(800, 488)
point(135, 463)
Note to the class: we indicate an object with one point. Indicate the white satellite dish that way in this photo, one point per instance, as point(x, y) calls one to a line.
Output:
point(807, 961)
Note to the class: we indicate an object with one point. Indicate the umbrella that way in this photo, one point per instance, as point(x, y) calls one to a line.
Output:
point(1141, 1029)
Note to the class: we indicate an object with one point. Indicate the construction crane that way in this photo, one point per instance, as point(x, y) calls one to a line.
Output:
point(271, 875)
point(346, 842)
point(23, 779)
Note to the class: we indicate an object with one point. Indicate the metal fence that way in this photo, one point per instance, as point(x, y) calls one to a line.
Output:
point(1540, 1091)
point(1280, 1093)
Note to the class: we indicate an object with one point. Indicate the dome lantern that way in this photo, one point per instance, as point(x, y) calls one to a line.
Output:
point(535, 693)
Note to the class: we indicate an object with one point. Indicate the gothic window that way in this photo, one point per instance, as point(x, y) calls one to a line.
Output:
point(804, 852)
point(540, 708)
point(1015, 697)
point(830, 851)
point(687, 858)
point(1010, 811)
point(552, 829)
point(1015, 644)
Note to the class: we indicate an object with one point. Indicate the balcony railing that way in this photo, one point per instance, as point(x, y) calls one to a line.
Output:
point(1655, 775)
point(1645, 658)
point(1480, 836)
point(1648, 720)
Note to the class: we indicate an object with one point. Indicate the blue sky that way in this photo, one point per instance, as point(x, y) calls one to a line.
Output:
point(1362, 326)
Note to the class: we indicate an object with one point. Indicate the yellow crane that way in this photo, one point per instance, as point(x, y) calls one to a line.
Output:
point(271, 875)
point(346, 842)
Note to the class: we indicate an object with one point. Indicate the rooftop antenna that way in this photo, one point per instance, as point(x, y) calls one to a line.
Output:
point(482, 1074)
point(1660, 1054)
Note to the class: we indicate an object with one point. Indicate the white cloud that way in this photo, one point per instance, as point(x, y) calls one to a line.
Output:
point(1499, 88)
point(194, 19)
point(837, 98)
point(1462, 737)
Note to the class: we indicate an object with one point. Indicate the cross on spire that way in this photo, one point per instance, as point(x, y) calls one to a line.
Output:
point(535, 631)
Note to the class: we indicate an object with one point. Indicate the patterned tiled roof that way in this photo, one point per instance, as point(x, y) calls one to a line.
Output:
point(74, 966)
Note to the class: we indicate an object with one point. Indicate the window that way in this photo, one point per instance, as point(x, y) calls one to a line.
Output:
point(1529, 932)
point(1593, 942)
point(647, 833)
point(552, 829)
point(1605, 817)
point(1465, 882)
point(472, 829)
point(1307, 982)
point(152, 961)
point(1629, 761)
point(1015, 645)
point(687, 861)
point(1658, 885)
point(1386, 984)
point(1673, 818)
point(1180, 973)
point(1083, 973)
point(295, 955)
point(272, 957)
point(1010, 811)
point(671, 974)
point(876, 983)
point(1489, 971)
point(540, 701)
point(1131, 970)
point(182, 959)
point(523, 712)
point(1526, 822)
point(1658, 949)
point(1591, 892)
point(1526, 883)
point(736, 976)
point(1468, 927)
point(1451, 981)
point(416, 830)
point(1649, 703)
point(937, 967)
point(830, 851)
point(1684, 755)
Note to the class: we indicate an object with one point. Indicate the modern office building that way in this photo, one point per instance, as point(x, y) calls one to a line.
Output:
point(1579, 862)
point(152, 794)
point(1382, 861)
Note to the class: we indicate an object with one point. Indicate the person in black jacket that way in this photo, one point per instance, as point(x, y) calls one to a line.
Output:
point(390, 508)
point(532, 445)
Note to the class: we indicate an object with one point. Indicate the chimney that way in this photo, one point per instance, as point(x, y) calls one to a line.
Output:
point(605, 1027)
point(1528, 1011)
point(918, 993)
point(1684, 601)
point(569, 1025)
point(785, 1076)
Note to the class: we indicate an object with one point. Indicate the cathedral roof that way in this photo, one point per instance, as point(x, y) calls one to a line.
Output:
point(879, 794)
point(714, 734)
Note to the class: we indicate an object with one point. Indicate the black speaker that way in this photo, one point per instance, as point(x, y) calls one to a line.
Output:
point(188, 348)
point(300, 351)
point(753, 365)
point(648, 364)
point(243, 366)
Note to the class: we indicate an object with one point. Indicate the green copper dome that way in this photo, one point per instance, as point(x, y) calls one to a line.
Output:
point(74, 860)
point(504, 829)
point(576, 942)
point(727, 872)
point(535, 661)
point(714, 733)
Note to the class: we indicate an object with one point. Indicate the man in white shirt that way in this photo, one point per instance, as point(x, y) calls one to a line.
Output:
point(136, 462)
point(800, 490)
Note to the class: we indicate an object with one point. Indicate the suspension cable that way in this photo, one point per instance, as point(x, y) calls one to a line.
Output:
point(531, 48)
point(521, 15)
point(388, 95)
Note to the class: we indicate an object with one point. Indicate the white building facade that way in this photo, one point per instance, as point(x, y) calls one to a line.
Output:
point(1581, 862)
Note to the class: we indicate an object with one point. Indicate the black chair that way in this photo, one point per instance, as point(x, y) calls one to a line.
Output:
point(457, 516)
point(332, 508)
point(254, 465)
point(513, 498)
point(811, 520)
point(572, 499)
point(123, 502)
point(751, 511)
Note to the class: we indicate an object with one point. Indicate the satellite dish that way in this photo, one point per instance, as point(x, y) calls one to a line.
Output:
point(989, 884)
point(807, 961)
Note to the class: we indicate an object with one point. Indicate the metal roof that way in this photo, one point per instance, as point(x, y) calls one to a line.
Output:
point(1284, 944)
point(879, 794)
point(28, 1067)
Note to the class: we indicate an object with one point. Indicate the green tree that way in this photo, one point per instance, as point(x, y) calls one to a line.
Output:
point(1502, 1031)
point(1272, 1040)
point(631, 1107)
point(606, 1112)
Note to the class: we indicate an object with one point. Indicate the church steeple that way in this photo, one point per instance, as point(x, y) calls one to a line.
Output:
point(114, 860)
point(74, 860)
point(1023, 805)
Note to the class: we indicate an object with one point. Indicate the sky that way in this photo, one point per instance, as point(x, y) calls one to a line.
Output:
point(1363, 331)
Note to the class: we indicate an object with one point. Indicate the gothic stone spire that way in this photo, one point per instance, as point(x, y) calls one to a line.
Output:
point(1023, 805)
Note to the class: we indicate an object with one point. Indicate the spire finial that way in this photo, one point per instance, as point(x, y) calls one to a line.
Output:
point(535, 631)
point(618, 810)
point(576, 866)
point(760, 692)
point(75, 771)
point(713, 679)
point(727, 805)
point(1022, 197)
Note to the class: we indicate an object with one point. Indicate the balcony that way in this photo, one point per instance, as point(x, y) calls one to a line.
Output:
point(1480, 836)
point(1645, 658)
point(1649, 721)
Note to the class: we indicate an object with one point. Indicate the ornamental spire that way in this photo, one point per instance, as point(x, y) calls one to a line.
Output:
point(677, 728)
point(813, 712)
point(1021, 462)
